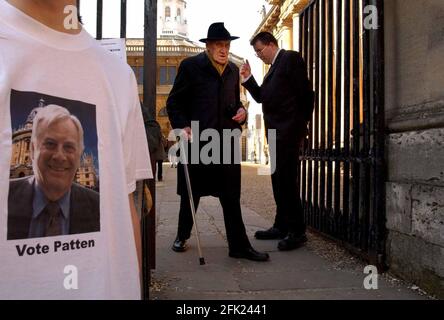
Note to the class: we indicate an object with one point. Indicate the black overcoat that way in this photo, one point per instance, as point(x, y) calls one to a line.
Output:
point(201, 94)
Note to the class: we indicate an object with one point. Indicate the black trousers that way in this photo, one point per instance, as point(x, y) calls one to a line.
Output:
point(159, 169)
point(234, 226)
point(289, 212)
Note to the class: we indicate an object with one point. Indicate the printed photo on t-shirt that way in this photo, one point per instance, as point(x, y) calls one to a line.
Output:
point(54, 171)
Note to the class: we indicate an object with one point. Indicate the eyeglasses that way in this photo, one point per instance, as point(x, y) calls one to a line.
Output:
point(259, 52)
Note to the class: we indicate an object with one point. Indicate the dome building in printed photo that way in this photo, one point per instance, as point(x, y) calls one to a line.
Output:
point(21, 161)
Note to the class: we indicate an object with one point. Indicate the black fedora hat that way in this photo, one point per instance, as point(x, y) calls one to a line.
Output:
point(217, 31)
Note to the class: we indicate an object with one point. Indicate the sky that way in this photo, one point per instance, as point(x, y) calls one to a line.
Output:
point(241, 18)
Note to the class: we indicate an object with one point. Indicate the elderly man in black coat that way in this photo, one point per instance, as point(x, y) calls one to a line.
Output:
point(206, 93)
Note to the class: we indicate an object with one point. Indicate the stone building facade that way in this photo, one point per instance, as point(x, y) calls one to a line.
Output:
point(414, 78)
point(86, 175)
point(173, 46)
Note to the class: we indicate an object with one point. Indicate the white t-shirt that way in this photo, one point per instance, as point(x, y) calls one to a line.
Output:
point(40, 66)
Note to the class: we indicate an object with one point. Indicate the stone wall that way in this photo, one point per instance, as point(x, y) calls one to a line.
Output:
point(414, 75)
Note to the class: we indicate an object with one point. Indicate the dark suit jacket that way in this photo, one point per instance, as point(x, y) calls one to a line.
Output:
point(201, 94)
point(286, 96)
point(84, 209)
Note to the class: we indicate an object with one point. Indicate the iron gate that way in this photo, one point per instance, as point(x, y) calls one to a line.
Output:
point(149, 101)
point(341, 168)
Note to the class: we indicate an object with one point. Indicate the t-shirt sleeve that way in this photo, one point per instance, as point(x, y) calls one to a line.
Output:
point(135, 145)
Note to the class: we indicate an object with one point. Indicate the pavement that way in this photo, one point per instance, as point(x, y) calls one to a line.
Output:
point(318, 271)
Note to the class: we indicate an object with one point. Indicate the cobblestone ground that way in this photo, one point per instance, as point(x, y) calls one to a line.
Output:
point(256, 192)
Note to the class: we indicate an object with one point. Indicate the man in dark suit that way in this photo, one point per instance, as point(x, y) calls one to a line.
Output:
point(287, 104)
point(49, 203)
point(206, 91)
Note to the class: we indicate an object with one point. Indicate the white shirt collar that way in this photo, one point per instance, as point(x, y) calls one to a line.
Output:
point(276, 55)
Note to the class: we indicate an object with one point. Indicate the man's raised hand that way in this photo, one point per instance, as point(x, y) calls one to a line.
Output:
point(245, 70)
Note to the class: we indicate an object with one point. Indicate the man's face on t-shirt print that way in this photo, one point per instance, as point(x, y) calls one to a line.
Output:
point(57, 154)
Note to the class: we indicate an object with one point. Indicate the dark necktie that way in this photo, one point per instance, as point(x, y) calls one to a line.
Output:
point(54, 225)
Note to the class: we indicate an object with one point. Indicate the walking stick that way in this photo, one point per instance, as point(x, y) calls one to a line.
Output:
point(190, 196)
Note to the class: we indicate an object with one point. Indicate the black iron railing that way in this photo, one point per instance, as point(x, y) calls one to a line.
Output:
point(342, 165)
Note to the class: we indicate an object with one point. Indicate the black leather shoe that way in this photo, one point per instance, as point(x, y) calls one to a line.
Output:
point(249, 254)
point(179, 245)
point(270, 234)
point(292, 241)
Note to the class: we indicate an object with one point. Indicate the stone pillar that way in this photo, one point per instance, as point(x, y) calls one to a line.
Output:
point(22, 151)
point(296, 32)
point(414, 76)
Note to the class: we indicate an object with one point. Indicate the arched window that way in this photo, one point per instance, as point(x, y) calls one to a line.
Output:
point(167, 12)
point(178, 12)
point(167, 75)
